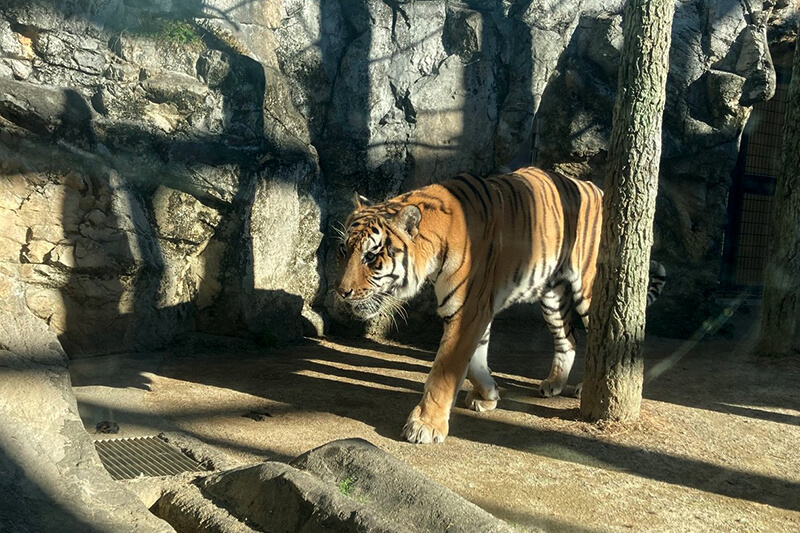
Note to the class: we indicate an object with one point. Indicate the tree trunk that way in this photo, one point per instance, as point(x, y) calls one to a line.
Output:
point(612, 386)
point(780, 310)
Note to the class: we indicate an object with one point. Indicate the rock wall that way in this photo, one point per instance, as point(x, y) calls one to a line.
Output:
point(171, 166)
point(157, 179)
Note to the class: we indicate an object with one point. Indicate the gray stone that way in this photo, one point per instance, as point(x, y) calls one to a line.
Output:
point(463, 32)
point(155, 55)
point(43, 110)
point(182, 219)
point(52, 477)
point(181, 90)
point(396, 492)
point(276, 497)
point(232, 159)
point(348, 485)
point(186, 509)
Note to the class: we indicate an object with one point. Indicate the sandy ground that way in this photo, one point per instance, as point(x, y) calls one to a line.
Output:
point(715, 448)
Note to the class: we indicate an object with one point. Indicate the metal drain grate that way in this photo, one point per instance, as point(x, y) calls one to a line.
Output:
point(130, 458)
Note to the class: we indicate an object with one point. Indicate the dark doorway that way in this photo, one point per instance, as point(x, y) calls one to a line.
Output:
point(750, 198)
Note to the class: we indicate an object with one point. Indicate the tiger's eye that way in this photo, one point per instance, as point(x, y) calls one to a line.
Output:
point(370, 258)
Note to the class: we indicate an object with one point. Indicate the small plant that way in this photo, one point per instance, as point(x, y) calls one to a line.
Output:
point(169, 32)
point(346, 486)
point(180, 32)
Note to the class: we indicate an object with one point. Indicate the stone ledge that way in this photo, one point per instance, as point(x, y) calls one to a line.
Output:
point(343, 486)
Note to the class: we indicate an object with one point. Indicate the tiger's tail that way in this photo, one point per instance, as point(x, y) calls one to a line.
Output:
point(658, 277)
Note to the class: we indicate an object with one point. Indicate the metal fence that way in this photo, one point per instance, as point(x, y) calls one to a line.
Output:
point(750, 198)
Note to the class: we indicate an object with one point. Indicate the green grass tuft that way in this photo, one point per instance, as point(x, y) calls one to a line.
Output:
point(170, 32)
point(346, 486)
point(180, 32)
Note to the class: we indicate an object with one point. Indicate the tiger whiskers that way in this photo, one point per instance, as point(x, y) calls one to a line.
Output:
point(338, 229)
point(392, 307)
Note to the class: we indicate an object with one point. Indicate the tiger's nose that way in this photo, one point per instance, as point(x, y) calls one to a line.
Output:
point(344, 293)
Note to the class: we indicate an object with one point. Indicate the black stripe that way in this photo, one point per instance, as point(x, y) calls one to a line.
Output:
point(424, 238)
point(570, 207)
point(595, 209)
point(463, 258)
point(513, 193)
point(475, 191)
point(432, 198)
point(444, 258)
point(486, 190)
point(450, 294)
point(553, 198)
point(466, 295)
point(454, 313)
point(528, 212)
point(513, 200)
point(463, 199)
point(405, 266)
point(580, 240)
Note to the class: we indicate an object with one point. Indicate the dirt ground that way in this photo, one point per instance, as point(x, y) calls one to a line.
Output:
point(715, 448)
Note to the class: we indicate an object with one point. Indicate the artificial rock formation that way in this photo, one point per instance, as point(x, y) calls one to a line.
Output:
point(168, 167)
point(171, 167)
point(155, 183)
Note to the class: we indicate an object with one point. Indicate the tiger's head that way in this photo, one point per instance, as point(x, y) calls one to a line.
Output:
point(376, 264)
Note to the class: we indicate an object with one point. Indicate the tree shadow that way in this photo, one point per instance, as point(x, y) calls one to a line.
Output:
point(380, 401)
point(721, 375)
point(541, 523)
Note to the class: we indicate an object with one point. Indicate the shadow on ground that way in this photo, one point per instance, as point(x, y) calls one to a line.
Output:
point(369, 387)
point(717, 423)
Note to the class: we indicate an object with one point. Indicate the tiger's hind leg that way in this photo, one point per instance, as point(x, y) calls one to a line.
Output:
point(582, 304)
point(557, 306)
point(484, 394)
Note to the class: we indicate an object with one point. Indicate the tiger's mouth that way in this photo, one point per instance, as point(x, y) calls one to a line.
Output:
point(365, 308)
point(384, 302)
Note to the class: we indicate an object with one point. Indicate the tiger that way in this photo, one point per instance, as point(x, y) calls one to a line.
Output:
point(485, 244)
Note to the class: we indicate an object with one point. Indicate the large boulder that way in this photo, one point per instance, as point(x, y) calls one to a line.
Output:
point(344, 486)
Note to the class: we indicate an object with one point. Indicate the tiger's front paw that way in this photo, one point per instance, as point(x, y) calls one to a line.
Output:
point(551, 387)
point(420, 429)
point(478, 403)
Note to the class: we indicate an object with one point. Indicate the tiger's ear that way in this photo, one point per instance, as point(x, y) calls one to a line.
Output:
point(360, 201)
point(408, 220)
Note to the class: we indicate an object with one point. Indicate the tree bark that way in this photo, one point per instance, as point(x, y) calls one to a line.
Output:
point(780, 309)
point(612, 387)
